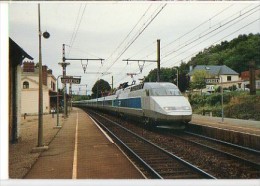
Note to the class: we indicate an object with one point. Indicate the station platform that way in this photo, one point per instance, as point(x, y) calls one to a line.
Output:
point(238, 125)
point(241, 132)
point(81, 150)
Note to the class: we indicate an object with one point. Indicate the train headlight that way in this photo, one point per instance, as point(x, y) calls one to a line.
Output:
point(169, 108)
point(177, 108)
point(186, 108)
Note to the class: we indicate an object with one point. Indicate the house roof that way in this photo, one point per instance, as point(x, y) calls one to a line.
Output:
point(16, 53)
point(214, 70)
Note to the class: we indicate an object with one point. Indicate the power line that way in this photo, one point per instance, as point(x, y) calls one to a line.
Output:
point(201, 36)
point(211, 36)
point(75, 26)
point(130, 31)
point(193, 29)
point(214, 16)
point(75, 35)
point(211, 43)
point(136, 37)
point(220, 39)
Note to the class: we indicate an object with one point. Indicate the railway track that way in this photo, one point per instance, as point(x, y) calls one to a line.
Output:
point(219, 159)
point(243, 154)
point(155, 161)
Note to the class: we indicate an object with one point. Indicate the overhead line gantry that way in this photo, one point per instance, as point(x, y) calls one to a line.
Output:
point(64, 64)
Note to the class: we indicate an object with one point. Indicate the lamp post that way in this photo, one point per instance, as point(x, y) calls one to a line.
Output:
point(222, 101)
point(40, 146)
point(58, 124)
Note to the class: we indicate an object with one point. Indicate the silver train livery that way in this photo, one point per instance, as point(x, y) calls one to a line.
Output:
point(159, 104)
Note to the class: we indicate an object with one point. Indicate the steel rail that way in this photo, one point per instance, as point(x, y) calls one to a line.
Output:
point(254, 164)
point(150, 169)
point(200, 171)
point(226, 143)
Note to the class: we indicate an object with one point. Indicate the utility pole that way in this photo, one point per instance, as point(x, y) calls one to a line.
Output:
point(58, 108)
point(252, 78)
point(40, 120)
point(177, 69)
point(158, 60)
point(112, 84)
point(64, 65)
point(40, 147)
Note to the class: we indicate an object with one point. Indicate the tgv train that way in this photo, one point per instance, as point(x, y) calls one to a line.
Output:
point(158, 104)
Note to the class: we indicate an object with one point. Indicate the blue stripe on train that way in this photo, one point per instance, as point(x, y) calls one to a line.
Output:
point(128, 103)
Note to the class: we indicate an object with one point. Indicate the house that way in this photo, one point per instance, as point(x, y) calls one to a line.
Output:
point(30, 89)
point(225, 75)
point(16, 57)
point(245, 79)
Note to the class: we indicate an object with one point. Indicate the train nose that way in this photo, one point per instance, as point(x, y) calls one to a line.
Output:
point(176, 108)
point(173, 105)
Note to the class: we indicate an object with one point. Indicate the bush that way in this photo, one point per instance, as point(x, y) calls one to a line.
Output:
point(244, 107)
point(239, 105)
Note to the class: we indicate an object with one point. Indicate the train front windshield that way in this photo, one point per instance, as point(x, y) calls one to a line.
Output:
point(162, 89)
point(164, 92)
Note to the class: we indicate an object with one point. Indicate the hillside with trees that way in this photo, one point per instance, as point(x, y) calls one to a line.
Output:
point(236, 54)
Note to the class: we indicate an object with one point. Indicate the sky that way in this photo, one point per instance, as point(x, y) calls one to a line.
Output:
point(116, 31)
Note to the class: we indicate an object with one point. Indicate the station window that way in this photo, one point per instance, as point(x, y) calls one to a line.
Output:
point(228, 78)
point(25, 85)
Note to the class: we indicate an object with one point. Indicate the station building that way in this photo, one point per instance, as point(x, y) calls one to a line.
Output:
point(16, 57)
point(30, 89)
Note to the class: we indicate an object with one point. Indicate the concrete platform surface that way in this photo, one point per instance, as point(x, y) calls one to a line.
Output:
point(80, 150)
point(237, 125)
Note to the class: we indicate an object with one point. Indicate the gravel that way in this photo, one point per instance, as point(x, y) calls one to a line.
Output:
point(21, 159)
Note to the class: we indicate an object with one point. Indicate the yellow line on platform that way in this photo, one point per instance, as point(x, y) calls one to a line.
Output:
point(75, 159)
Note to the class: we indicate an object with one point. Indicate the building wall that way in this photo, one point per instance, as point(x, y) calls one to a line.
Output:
point(18, 98)
point(51, 82)
point(30, 98)
point(233, 78)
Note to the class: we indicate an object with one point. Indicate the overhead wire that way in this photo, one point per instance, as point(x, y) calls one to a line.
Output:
point(143, 30)
point(219, 40)
point(127, 36)
point(211, 36)
point(156, 13)
point(225, 24)
point(136, 37)
point(209, 32)
point(75, 26)
point(193, 29)
point(130, 31)
point(77, 29)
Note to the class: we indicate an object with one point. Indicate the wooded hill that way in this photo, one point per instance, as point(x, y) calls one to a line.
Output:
point(236, 54)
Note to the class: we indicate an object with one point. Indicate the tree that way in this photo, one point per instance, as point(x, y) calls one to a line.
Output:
point(235, 54)
point(170, 75)
point(100, 88)
point(198, 79)
point(166, 75)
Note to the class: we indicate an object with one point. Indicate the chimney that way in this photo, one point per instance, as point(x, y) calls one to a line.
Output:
point(49, 71)
point(28, 66)
point(44, 75)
